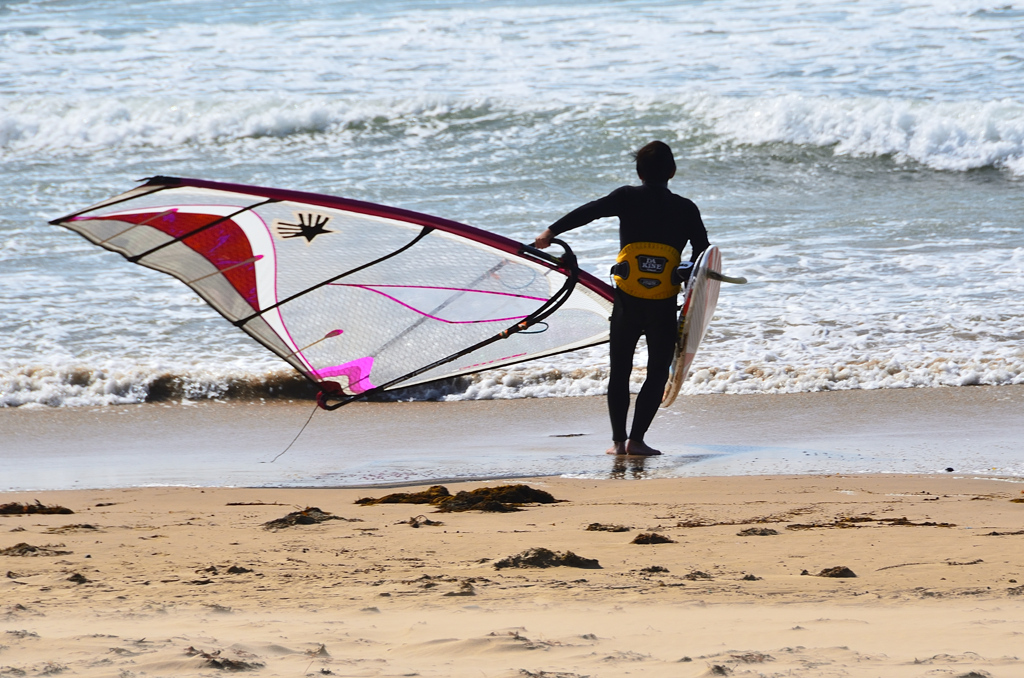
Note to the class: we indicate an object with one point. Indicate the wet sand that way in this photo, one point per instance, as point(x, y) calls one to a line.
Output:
point(189, 582)
point(970, 429)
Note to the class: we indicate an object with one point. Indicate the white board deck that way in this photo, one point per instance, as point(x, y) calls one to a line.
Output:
point(699, 305)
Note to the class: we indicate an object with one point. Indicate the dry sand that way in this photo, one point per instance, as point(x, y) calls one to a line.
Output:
point(188, 582)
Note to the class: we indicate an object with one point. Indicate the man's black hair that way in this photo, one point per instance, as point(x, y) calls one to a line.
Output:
point(654, 163)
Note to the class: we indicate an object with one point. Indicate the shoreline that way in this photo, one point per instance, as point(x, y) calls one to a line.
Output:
point(179, 581)
point(973, 430)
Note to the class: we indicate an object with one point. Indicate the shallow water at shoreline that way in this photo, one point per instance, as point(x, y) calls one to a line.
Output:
point(974, 431)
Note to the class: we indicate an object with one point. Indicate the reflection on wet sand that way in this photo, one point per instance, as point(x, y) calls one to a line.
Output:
point(628, 467)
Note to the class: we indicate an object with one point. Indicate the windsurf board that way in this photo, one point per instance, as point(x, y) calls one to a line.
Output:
point(699, 303)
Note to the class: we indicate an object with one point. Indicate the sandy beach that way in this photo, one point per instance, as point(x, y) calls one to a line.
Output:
point(191, 581)
point(751, 509)
point(841, 489)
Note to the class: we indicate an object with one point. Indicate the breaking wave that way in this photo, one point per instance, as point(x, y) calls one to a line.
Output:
point(942, 136)
point(79, 385)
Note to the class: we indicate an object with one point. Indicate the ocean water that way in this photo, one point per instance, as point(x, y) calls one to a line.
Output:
point(862, 163)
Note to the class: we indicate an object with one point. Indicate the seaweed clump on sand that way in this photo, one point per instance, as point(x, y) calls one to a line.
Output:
point(420, 521)
point(600, 527)
point(310, 515)
point(431, 495)
point(542, 557)
point(500, 499)
point(696, 576)
point(214, 660)
point(652, 538)
point(78, 527)
point(24, 549)
point(15, 509)
point(757, 532)
point(654, 569)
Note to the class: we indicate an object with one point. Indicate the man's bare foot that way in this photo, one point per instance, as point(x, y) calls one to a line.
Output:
point(638, 448)
point(617, 448)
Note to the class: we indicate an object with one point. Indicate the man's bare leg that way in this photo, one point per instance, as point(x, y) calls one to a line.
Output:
point(638, 448)
point(617, 448)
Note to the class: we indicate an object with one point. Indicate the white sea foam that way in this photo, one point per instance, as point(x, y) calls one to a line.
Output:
point(518, 50)
point(943, 136)
point(119, 382)
point(937, 83)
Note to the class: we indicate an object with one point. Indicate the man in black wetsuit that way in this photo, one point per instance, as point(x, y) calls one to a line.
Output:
point(654, 227)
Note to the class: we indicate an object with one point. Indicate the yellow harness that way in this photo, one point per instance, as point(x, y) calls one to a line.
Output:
point(644, 270)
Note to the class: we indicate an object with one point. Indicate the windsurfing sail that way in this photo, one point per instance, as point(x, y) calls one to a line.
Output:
point(359, 298)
